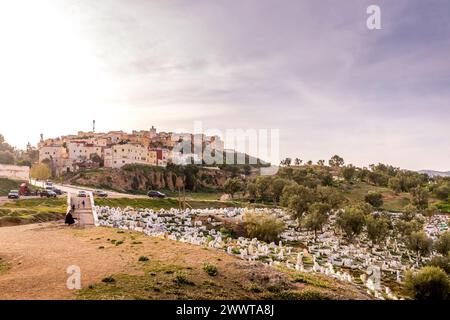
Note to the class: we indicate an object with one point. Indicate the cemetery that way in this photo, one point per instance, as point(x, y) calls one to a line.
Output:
point(379, 270)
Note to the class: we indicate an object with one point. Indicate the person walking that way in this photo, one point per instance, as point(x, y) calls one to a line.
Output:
point(83, 203)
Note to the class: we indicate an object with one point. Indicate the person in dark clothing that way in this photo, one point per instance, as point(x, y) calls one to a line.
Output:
point(69, 218)
point(83, 203)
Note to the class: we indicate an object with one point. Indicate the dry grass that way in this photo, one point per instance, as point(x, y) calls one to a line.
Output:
point(39, 255)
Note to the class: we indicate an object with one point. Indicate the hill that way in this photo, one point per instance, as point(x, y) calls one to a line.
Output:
point(433, 173)
point(173, 270)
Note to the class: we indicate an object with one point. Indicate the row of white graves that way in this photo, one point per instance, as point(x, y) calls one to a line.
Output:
point(330, 256)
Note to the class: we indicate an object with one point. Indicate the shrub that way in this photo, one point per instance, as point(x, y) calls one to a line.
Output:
point(263, 227)
point(210, 269)
point(375, 199)
point(430, 283)
point(181, 279)
point(108, 280)
point(143, 259)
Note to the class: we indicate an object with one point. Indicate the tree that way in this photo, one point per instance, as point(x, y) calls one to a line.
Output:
point(263, 187)
point(420, 197)
point(331, 196)
point(420, 244)
point(316, 217)
point(263, 226)
point(299, 198)
point(336, 161)
point(443, 191)
point(375, 199)
point(377, 228)
point(286, 162)
point(321, 163)
point(40, 171)
point(348, 172)
point(96, 159)
point(430, 283)
point(298, 161)
point(395, 184)
point(276, 188)
point(351, 220)
point(6, 157)
point(252, 190)
point(441, 262)
point(442, 245)
point(232, 186)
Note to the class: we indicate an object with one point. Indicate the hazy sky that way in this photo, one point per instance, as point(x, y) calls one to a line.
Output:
point(310, 68)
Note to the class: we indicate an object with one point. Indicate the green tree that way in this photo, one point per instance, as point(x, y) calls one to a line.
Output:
point(233, 186)
point(40, 171)
point(351, 220)
point(375, 199)
point(442, 244)
point(420, 197)
point(316, 217)
point(441, 262)
point(395, 184)
point(348, 172)
point(336, 161)
point(6, 157)
point(420, 244)
point(299, 198)
point(443, 191)
point(377, 228)
point(430, 283)
point(276, 188)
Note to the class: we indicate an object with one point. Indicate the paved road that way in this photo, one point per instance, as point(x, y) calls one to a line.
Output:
point(111, 194)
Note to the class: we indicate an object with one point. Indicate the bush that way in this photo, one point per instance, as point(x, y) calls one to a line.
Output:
point(375, 199)
point(441, 262)
point(108, 280)
point(263, 227)
point(430, 283)
point(143, 259)
point(181, 279)
point(210, 269)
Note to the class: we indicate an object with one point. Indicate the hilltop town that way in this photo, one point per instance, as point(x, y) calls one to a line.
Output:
point(115, 149)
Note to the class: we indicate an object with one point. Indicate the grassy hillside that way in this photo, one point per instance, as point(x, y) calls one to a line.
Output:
point(32, 211)
point(6, 185)
point(164, 269)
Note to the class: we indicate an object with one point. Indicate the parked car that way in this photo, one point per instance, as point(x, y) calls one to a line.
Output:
point(100, 193)
point(48, 193)
point(82, 194)
point(155, 194)
point(13, 194)
point(57, 191)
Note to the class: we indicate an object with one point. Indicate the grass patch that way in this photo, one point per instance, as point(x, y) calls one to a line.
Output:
point(4, 266)
point(32, 211)
point(210, 269)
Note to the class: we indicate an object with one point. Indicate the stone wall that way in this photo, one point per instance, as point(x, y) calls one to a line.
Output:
point(14, 172)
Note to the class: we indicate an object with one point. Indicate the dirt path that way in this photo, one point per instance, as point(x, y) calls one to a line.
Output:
point(38, 256)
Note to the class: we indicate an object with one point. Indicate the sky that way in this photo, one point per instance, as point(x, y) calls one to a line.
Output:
point(309, 68)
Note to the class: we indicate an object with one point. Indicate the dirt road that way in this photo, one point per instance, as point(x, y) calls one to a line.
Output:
point(38, 256)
